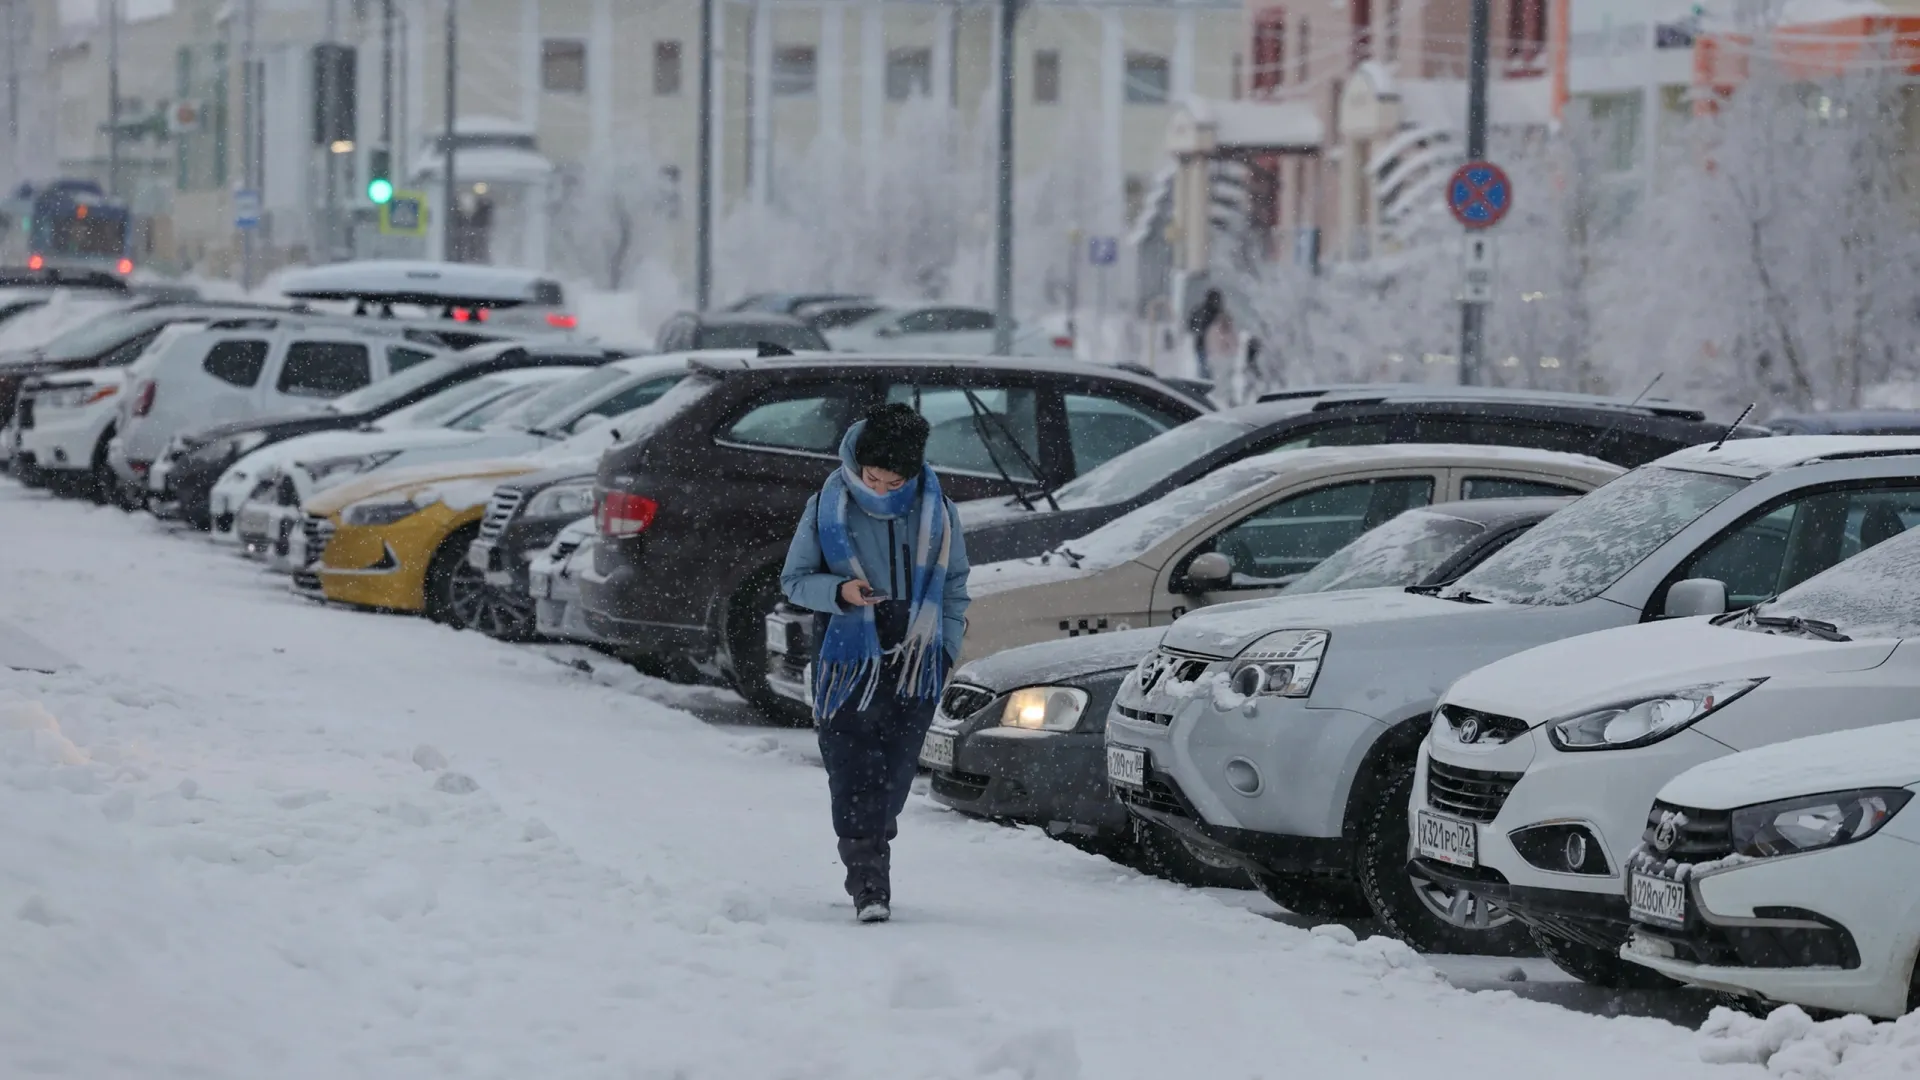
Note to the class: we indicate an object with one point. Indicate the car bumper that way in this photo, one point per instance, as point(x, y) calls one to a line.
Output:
point(385, 566)
point(65, 439)
point(556, 604)
point(603, 601)
point(1603, 794)
point(505, 558)
point(1834, 934)
point(190, 482)
point(270, 533)
point(1056, 780)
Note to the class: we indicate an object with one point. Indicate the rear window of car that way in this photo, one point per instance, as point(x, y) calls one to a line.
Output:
point(799, 419)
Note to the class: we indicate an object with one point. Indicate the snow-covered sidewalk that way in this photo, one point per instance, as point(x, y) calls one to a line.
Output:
point(248, 836)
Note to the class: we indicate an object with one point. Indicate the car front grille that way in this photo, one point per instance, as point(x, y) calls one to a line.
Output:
point(317, 530)
point(1697, 835)
point(962, 701)
point(1473, 794)
point(500, 510)
point(1145, 717)
point(958, 785)
point(286, 492)
point(1486, 728)
point(1157, 794)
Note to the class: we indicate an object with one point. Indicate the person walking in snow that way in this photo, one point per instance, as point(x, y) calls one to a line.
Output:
point(879, 553)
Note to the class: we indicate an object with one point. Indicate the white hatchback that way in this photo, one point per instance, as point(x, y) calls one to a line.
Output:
point(1533, 783)
point(1790, 870)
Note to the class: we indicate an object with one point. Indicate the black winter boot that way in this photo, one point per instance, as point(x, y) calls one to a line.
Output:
point(867, 860)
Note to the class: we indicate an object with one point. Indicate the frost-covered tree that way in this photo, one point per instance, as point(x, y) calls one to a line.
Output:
point(613, 213)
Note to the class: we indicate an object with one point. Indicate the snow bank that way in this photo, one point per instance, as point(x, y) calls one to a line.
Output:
point(1791, 1045)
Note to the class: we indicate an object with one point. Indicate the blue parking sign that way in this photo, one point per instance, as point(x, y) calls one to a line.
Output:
point(1103, 250)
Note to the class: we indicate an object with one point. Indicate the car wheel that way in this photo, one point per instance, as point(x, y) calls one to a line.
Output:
point(451, 594)
point(747, 659)
point(1596, 966)
point(103, 485)
point(1430, 917)
point(1315, 896)
point(1158, 851)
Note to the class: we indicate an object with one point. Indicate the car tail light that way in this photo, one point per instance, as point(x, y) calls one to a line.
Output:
point(560, 321)
point(621, 514)
point(1061, 341)
point(461, 314)
point(101, 393)
point(143, 398)
point(126, 266)
point(35, 261)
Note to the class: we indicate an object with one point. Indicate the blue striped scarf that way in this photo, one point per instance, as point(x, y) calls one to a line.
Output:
point(850, 658)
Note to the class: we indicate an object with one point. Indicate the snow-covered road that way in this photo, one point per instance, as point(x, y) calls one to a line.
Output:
point(248, 836)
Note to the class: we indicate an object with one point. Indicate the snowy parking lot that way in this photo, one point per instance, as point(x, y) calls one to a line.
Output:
point(251, 836)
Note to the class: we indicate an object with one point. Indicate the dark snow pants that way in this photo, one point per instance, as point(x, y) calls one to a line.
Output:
point(870, 755)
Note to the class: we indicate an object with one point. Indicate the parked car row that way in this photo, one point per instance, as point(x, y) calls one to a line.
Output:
point(1507, 671)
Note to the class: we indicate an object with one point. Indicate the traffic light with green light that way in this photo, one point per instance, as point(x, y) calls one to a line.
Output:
point(380, 175)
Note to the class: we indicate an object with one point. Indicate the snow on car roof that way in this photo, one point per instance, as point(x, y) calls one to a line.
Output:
point(1758, 457)
point(1885, 755)
point(1379, 453)
point(416, 281)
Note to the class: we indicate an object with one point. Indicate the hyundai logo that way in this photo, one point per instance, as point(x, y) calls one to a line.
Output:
point(1666, 833)
point(1470, 730)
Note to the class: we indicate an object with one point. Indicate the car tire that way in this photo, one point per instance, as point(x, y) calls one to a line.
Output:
point(103, 485)
point(1157, 850)
point(1316, 896)
point(1411, 910)
point(747, 651)
point(444, 573)
point(1598, 967)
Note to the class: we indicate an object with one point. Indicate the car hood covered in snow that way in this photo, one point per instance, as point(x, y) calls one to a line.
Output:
point(1595, 670)
point(1868, 757)
point(1057, 662)
point(1228, 628)
point(415, 481)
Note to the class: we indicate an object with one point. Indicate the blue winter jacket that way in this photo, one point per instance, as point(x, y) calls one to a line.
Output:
point(885, 548)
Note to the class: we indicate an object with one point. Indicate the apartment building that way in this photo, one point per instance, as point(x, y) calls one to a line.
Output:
point(552, 94)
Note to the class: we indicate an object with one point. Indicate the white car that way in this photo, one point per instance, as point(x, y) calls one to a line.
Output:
point(555, 588)
point(1534, 780)
point(942, 328)
point(311, 463)
point(255, 366)
point(245, 502)
point(65, 420)
point(1807, 894)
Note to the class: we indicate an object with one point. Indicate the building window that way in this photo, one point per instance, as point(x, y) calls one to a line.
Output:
point(793, 71)
point(909, 74)
point(1046, 76)
point(1393, 31)
point(1362, 12)
point(1306, 48)
point(563, 66)
point(1269, 51)
point(1146, 79)
point(666, 68)
point(1526, 30)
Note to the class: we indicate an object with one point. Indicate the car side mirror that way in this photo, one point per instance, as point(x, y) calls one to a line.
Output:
point(1209, 571)
point(1696, 596)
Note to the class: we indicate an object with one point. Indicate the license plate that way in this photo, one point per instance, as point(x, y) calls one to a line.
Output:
point(540, 584)
point(1127, 766)
point(778, 629)
point(937, 751)
point(1657, 900)
point(477, 557)
point(1446, 840)
point(251, 523)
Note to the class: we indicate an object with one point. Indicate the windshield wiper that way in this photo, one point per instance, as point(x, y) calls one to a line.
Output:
point(1425, 590)
point(1819, 628)
point(1465, 597)
point(981, 416)
point(1068, 555)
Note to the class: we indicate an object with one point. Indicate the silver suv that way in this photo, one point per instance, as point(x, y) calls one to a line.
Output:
point(1283, 733)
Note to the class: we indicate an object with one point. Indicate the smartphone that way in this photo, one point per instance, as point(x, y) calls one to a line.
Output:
point(867, 593)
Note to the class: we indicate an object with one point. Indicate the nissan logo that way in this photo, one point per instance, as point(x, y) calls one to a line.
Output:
point(1470, 730)
point(1666, 833)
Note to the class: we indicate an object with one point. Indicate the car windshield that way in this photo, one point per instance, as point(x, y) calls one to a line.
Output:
point(1581, 550)
point(1875, 594)
point(1401, 552)
point(449, 404)
point(380, 396)
point(551, 401)
point(628, 427)
point(1134, 473)
point(96, 336)
point(751, 335)
point(491, 414)
point(1134, 534)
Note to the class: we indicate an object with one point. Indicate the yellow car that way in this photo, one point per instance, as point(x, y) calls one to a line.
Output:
point(398, 541)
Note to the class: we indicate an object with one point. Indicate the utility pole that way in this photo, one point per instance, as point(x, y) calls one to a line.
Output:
point(250, 145)
point(113, 98)
point(449, 237)
point(329, 131)
point(13, 81)
point(1473, 313)
point(386, 77)
point(1003, 228)
point(703, 202)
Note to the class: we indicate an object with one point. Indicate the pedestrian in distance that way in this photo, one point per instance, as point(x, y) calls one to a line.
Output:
point(1200, 323)
point(879, 554)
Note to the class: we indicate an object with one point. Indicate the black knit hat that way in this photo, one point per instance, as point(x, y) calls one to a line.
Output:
point(895, 439)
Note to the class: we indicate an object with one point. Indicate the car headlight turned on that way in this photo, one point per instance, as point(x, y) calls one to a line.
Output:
point(1283, 664)
point(571, 500)
point(379, 513)
point(1044, 708)
point(1812, 822)
point(1644, 720)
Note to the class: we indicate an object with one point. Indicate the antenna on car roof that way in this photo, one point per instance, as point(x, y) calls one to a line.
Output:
point(1594, 451)
point(1727, 434)
point(768, 348)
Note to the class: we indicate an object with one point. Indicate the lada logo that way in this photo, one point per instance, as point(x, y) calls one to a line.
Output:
point(1666, 833)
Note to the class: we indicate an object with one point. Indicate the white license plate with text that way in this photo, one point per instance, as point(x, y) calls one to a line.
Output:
point(1445, 839)
point(1657, 900)
point(539, 584)
point(1127, 766)
point(937, 751)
